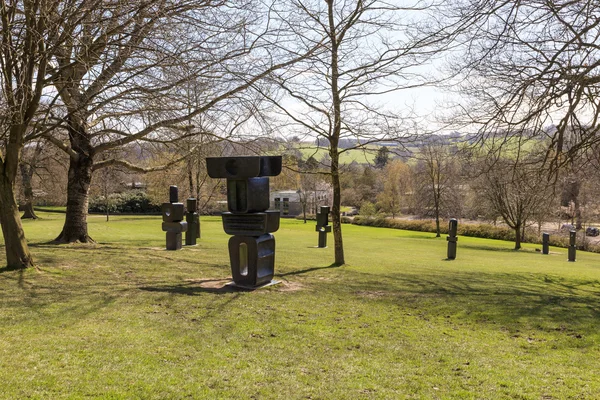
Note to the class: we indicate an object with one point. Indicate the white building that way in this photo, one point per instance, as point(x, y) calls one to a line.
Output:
point(291, 203)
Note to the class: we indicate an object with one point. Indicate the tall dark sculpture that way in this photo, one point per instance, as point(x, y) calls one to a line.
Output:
point(323, 226)
point(173, 224)
point(545, 243)
point(252, 247)
point(452, 239)
point(572, 245)
point(193, 220)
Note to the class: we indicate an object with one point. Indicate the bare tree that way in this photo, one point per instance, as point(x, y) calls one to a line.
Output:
point(517, 190)
point(436, 176)
point(27, 167)
point(530, 69)
point(119, 81)
point(189, 174)
point(310, 177)
point(25, 40)
point(371, 48)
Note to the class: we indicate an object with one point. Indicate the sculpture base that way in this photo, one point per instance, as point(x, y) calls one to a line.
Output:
point(246, 287)
point(252, 259)
point(572, 252)
point(173, 241)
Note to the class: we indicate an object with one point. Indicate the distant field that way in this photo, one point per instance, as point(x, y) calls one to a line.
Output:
point(126, 319)
point(362, 156)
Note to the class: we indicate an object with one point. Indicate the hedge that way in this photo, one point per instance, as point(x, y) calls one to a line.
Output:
point(132, 202)
point(485, 231)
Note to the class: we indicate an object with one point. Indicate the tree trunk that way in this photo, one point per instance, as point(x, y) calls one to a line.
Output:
point(17, 251)
point(28, 211)
point(190, 177)
point(336, 209)
point(26, 176)
point(437, 219)
point(304, 207)
point(518, 237)
point(80, 176)
point(578, 219)
point(334, 139)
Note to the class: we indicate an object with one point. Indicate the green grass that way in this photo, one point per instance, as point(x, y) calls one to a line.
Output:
point(126, 319)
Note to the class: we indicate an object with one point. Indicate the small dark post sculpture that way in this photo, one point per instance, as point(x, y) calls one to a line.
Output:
point(545, 243)
point(572, 246)
point(252, 247)
point(173, 224)
point(193, 220)
point(452, 239)
point(323, 226)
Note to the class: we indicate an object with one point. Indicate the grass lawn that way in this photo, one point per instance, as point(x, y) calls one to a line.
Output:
point(125, 319)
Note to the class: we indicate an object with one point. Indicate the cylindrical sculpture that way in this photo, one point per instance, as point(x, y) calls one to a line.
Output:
point(572, 245)
point(252, 247)
point(173, 224)
point(323, 226)
point(545, 243)
point(452, 239)
point(193, 220)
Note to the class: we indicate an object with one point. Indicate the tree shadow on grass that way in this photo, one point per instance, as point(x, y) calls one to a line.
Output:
point(424, 235)
point(6, 268)
point(73, 246)
point(195, 288)
point(497, 249)
point(552, 303)
point(305, 271)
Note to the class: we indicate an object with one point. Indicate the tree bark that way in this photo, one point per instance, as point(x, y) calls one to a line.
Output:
point(303, 200)
point(28, 211)
point(578, 219)
point(26, 176)
point(336, 208)
point(517, 237)
point(17, 251)
point(75, 228)
point(334, 139)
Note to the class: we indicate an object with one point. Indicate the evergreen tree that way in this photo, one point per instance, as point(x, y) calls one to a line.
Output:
point(382, 157)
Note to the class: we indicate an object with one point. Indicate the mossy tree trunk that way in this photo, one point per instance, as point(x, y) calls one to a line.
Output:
point(17, 251)
point(81, 163)
point(23, 60)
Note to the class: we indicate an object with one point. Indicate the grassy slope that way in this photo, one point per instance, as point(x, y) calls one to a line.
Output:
point(362, 156)
point(126, 319)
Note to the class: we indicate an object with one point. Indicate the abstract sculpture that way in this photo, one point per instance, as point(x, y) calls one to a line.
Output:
point(252, 247)
point(193, 221)
point(545, 243)
point(173, 224)
point(572, 246)
point(323, 226)
point(452, 239)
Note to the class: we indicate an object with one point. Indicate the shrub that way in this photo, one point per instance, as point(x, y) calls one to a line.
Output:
point(309, 217)
point(367, 209)
point(132, 202)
